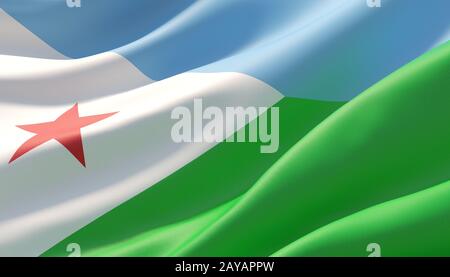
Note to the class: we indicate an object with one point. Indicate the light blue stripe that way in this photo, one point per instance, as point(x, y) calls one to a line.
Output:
point(318, 49)
point(98, 26)
point(338, 59)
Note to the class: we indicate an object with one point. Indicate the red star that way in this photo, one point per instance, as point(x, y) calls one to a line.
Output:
point(65, 129)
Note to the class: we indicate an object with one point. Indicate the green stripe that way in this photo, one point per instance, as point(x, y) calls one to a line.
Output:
point(163, 240)
point(413, 225)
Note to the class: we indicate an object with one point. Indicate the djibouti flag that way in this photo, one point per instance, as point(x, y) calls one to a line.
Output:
point(226, 128)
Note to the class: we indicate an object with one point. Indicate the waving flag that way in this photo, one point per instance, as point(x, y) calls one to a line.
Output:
point(356, 94)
